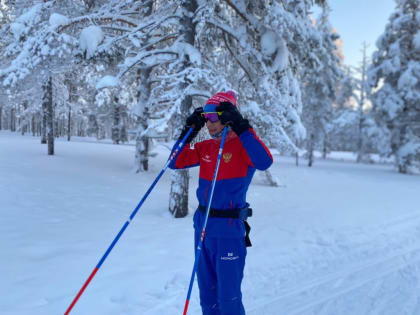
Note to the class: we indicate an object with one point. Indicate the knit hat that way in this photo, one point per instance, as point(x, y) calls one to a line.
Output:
point(218, 98)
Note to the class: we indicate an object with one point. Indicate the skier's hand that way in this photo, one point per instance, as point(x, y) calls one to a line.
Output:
point(195, 120)
point(232, 117)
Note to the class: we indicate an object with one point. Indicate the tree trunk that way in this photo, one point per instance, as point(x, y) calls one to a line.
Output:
point(69, 124)
point(13, 119)
point(116, 122)
point(360, 150)
point(24, 123)
point(33, 125)
point(44, 122)
point(360, 144)
point(270, 179)
point(142, 141)
point(403, 162)
point(72, 91)
point(44, 112)
point(178, 204)
point(50, 116)
point(141, 159)
point(142, 150)
point(57, 127)
point(311, 150)
point(324, 147)
point(93, 128)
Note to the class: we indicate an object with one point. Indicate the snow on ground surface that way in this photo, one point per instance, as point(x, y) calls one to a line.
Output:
point(336, 239)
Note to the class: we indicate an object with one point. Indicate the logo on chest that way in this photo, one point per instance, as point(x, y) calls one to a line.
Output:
point(227, 157)
point(206, 158)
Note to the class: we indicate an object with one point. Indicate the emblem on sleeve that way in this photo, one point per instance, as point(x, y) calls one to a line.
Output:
point(227, 157)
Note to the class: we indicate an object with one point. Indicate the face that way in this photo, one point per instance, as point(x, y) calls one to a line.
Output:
point(214, 127)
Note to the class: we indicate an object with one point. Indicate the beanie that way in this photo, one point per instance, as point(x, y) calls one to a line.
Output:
point(220, 97)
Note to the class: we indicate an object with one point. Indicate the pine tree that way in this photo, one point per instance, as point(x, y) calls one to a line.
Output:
point(319, 86)
point(361, 99)
point(395, 77)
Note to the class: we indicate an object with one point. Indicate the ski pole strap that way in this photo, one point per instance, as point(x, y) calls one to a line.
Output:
point(242, 213)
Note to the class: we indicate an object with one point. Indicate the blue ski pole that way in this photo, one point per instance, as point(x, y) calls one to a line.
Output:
point(171, 158)
point(203, 231)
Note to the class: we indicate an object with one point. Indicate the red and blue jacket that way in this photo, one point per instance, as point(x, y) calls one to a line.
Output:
point(241, 156)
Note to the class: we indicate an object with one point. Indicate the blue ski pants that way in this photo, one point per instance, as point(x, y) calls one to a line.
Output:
point(219, 273)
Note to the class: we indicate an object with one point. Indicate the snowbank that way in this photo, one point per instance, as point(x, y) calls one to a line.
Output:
point(333, 234)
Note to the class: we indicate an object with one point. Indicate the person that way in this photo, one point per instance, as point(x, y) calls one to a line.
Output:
point(222, 260)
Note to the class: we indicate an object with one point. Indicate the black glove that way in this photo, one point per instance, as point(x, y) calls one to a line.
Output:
point(232, 117)
point(195, 120)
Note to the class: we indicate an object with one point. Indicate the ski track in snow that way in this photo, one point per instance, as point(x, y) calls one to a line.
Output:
point(320, 295)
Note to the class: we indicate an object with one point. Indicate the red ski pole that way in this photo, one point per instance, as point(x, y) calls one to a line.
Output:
point(95, 270)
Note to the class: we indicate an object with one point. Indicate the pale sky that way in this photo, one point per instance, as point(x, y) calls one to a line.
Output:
point(357, 21)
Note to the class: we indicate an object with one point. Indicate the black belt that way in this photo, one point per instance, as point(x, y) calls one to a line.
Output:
point(242, 213)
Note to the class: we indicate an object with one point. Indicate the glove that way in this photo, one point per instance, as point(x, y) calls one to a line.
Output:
point(195, 120)
point(232, 117)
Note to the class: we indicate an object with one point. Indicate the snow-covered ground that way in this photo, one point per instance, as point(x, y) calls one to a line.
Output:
point(336, 239)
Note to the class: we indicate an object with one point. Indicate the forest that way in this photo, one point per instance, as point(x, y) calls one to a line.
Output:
point(131, 70)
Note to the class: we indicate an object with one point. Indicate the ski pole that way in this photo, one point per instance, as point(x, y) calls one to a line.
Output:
point(101, 261)
point(203, 231)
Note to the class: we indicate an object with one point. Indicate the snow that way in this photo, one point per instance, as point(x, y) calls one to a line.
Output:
point(407, 80)
point(107, 81)
point(31, 16)
point(416, 41)
point(58, 19)
point(337, 238)
point(187, 49)
point(90, 38)
point(23, 23)
point(17, 30)
point(269, 43)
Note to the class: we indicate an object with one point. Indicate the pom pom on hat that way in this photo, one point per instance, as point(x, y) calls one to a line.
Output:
point(220, 97)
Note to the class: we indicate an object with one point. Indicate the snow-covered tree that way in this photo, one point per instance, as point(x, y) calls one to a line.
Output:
point(395, 77)
point(163, 58)
point(361, 96)
point(262, 39)
point(319, 84)
point(35, 53)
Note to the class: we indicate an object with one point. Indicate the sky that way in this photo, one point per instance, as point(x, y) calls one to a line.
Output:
point(357, 21)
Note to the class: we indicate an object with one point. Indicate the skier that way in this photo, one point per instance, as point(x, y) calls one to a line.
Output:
point(221, 263)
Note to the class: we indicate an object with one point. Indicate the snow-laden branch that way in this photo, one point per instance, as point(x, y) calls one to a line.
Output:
point(241, 63)
point(154, 57)
point(240, 8)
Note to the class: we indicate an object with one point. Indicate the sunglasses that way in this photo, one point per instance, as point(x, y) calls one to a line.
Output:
point(212, 116)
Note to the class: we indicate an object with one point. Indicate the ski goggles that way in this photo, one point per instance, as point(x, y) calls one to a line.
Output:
point(210, 113)
point(212, 116)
